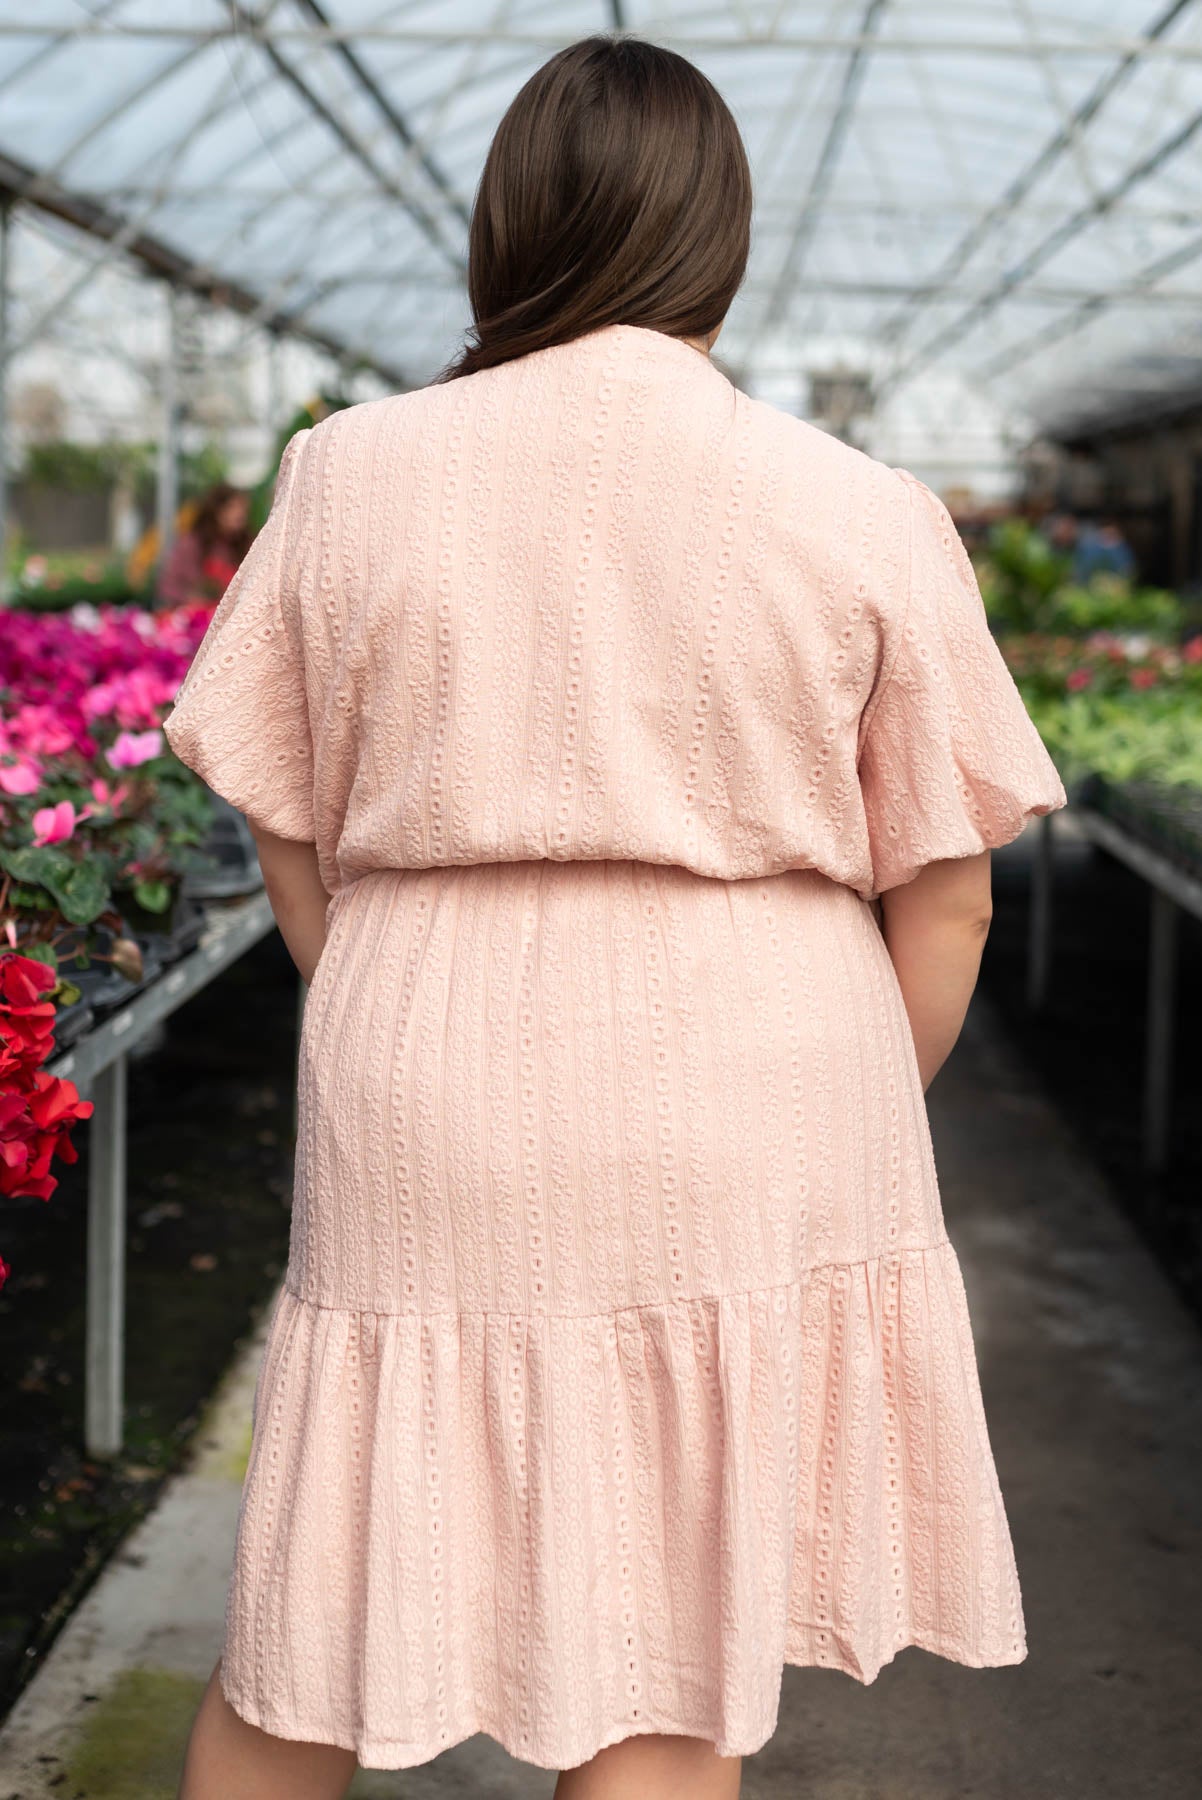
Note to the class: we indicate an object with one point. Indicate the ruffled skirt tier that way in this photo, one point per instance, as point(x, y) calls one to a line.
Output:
point(562, 1530)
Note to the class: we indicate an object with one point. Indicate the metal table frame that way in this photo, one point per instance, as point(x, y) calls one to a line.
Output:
point(98, 1064)
point(1173, 891)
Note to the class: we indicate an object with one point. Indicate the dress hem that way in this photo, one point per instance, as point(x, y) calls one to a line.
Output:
point(412, 1757)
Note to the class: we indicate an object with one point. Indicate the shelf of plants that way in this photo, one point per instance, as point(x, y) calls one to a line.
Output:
point(125, 886)
point(1112, 676)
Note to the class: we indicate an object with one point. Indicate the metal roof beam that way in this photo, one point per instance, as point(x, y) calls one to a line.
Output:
point(21, 183)
point(390, 112)
point(61, 35)
point(904, 211)
point(1092, 305)
point(824, 170)
point(430, 227)
point(1102, 44)
point(1048, 247)
point(1047, 157)
point(844, 287)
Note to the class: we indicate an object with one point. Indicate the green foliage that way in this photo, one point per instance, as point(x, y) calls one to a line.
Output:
point(1020, 576)
point(154, 846)
point(54, 582)
point(1102, 665)
point(43, 953)
point(86, 468)
point(1108, 603)
point(199, 470)
point(1027, 586)
point(80, 889)
point(1125, 737)
point(320, 407)
point(153, 896)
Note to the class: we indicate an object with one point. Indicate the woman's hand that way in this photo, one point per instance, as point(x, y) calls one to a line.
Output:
point(935, 929)
point(298, 899)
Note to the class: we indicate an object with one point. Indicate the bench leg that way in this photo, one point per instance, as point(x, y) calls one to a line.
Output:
point(1158, 1064)
point(104, 1394)
point(1039, 928)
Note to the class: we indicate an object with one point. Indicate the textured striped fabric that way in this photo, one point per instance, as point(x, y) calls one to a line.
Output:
point(622, 1356)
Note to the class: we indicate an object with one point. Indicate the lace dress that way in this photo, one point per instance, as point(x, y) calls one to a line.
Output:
point(622, 1355)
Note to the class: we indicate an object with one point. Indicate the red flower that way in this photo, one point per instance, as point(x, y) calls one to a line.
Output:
point(35, 1127)
point(1078, 678)
point(1144, 678)
point(4, 1271)
point(218, 570)
point(1192, 651)
point(26, 1016)
point(54, 1106)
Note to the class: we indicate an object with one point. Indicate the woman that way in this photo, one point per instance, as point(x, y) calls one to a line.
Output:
point(203, 560)
point(584, 708)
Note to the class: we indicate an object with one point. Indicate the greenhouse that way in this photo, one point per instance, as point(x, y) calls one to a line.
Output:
point(237, 242)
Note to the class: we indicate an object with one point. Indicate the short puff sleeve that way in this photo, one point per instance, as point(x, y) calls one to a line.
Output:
point(241, 715)
point(949, 761)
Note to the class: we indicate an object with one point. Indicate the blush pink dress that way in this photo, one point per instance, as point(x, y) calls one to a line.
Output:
point(622, 1355)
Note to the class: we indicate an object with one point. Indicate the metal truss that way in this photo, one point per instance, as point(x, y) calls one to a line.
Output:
point(918, 185)
point(1100, 45)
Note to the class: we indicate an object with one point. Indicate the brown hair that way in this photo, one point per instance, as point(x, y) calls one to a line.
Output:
point(615, 191)
point(206, 521)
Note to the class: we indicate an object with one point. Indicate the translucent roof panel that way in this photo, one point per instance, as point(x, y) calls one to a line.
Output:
point(1000, 189)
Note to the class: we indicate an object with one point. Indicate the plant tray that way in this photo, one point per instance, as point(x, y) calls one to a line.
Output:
point(232, 861)
point(70, 1023)
point(1166, 819)
point(182, 930)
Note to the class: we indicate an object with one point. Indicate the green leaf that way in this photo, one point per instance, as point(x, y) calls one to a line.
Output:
point(43, 953)
point(44, 864)
point(85, 894)
point(29, 899)
point(155, 896)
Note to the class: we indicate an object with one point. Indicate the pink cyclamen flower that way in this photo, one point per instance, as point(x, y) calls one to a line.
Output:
point(53, 824)
point(106, 795)
point(134, 747)
point(20, 777)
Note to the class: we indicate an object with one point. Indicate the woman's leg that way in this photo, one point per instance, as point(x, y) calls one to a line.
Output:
point(227, 1759)
point(654, 1766)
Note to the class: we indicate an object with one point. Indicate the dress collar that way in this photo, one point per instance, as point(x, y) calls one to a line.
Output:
point(644, 342)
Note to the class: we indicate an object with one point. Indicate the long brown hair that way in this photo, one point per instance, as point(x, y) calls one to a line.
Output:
point(615, 191)
point(206, 522)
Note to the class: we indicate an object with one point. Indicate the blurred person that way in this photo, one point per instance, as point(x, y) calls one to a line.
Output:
point(203, 559)
point(625, 757)
point(1101, 549)
point(1061, 530)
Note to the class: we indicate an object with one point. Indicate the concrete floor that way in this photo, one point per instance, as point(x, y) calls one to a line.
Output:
point(1091, 1375)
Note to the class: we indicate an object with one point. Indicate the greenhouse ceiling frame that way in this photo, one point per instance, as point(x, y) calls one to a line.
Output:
point(284, 38)
point(1101, 45)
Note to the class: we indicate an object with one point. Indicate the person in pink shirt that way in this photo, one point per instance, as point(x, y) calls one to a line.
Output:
point(202, 560)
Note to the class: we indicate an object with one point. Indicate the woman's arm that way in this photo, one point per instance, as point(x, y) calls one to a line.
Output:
point(935, 929)
point(298, 899)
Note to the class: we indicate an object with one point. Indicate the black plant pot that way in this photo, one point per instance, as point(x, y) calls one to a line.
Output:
point(98, 982)
point(1168, 819)
point(70, 1023)
point(164, 937)
point(231, 864)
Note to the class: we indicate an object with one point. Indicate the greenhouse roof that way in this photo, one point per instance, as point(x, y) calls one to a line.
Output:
point(1004, 189)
